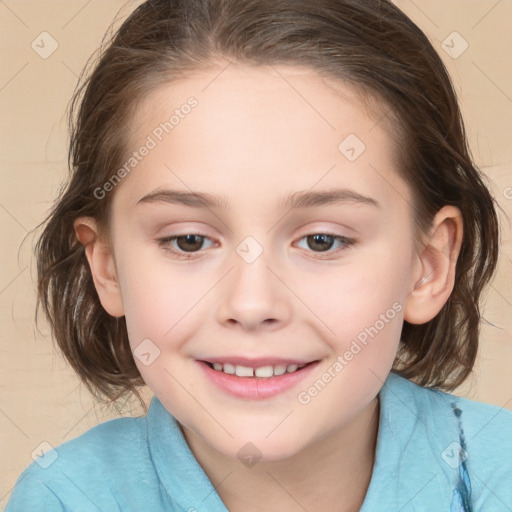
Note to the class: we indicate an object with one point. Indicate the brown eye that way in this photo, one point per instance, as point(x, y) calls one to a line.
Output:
point(185, 246)
point(189, 243)
point(321, 242)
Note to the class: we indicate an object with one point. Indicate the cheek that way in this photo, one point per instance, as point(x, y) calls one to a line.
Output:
point(159, 304)
point(157, 297)
point(364, 313)
point(361, 309)
point(356, 297)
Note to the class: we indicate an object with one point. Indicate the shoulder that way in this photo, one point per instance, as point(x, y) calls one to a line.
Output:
point(64, 473)
point(108, 443)
point(481, 422)
point(468, 441)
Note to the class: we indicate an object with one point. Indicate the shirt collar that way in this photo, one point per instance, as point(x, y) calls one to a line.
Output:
point(411, 469)
point(409, 465)
point(178, 470)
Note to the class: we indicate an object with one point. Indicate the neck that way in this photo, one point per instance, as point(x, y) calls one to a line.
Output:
point(332, 474)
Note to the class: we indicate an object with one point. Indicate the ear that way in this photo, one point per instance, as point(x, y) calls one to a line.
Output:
point(437, 261)
point(102, 265)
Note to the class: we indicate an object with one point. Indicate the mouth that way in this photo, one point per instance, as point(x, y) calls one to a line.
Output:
point(256, 379)
point(265, 371)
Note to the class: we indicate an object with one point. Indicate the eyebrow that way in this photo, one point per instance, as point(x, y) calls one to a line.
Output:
point(296, 200)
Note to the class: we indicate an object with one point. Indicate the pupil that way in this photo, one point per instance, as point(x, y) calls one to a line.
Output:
point(317, 239)
point(189, 239)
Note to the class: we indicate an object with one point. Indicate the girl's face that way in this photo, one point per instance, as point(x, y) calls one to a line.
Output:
point(299, 252)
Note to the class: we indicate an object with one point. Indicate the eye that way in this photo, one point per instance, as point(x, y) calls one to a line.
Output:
point(323, 242)
point(187, 244)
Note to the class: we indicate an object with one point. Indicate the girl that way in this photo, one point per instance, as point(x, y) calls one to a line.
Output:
point(274, 222)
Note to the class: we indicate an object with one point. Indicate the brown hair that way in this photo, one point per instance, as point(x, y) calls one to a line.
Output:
point(369, 44)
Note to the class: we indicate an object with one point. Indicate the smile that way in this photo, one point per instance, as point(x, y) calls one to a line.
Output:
point(255, 380)
point(261, 372)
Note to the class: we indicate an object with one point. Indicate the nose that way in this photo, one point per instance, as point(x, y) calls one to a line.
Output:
point(253, 296)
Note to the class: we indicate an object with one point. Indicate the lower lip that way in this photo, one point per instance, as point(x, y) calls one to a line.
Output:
point(256, 388)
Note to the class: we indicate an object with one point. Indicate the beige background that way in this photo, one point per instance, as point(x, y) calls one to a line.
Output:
point(41, 399)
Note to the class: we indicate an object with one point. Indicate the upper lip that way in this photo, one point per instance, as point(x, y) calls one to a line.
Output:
point(257, 362)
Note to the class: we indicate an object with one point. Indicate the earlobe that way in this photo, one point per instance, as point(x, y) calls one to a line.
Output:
point(437, 263)
point(102, 265)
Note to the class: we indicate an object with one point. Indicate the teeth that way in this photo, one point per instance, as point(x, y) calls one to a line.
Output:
point(280, 369)
point(229, 368)
point(262, 371)
point(244, 371)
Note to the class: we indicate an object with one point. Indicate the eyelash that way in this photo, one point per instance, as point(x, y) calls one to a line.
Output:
point(165, 244)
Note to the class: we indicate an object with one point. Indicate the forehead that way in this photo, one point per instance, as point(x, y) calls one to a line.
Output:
point(243, 89)
point(282, 126)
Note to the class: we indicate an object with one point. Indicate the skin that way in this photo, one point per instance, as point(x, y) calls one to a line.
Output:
point(254, 139)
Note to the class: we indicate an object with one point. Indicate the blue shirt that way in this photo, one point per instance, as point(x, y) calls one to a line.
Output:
point(435, 452)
